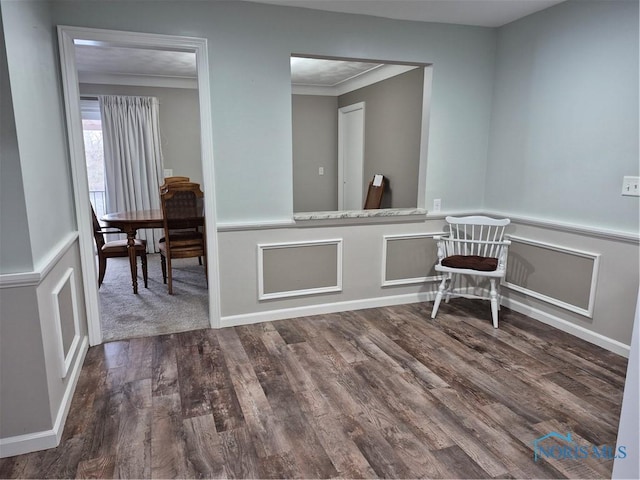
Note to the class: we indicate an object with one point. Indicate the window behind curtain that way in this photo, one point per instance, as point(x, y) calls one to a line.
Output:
point(94, 153)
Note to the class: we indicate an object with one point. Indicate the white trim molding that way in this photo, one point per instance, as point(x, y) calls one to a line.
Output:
point(65, 358)
point(138, 80)
point(325, 308)
point(596, 232)
point(308, 291)
point(579, 331)
point(33, 278)
point(404, 281)
point(595, 257)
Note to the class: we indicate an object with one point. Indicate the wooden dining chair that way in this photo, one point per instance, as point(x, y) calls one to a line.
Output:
point(169, 183)
point(182, 214)
point(115, 249)
point(175, 179)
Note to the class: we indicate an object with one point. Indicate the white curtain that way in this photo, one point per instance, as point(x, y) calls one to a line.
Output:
point(132, 156)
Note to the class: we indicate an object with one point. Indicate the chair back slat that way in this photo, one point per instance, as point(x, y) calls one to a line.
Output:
point(476, 235)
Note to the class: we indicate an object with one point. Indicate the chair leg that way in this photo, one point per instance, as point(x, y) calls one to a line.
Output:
point(200, 261)
point(169, 276)
point(102, 268)
point(143, 258)
point(448, 292)
point(494, 303)
point(436, 304)
point(163, 264)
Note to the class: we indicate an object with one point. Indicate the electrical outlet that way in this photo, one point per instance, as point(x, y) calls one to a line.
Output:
point(437, 204)
point(631, 186)
point(320, 170)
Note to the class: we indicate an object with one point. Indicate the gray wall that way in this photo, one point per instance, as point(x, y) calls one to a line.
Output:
point(24, 406)
point(393, 124)
point(179, 124)
point(249, 53)
point(34, 74)
point(15, 248)
point(315, 144)
point(565, 115)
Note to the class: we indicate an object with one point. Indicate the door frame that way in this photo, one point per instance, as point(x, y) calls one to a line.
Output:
point(341, 155)
point(67, 35)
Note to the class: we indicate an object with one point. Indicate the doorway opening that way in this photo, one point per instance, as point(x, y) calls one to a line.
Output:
point(86, 195)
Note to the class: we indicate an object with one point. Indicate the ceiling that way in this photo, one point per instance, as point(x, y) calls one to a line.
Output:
point(134, 61)
point(484, 13)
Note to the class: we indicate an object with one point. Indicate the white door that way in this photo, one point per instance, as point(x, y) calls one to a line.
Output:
point(351, 157)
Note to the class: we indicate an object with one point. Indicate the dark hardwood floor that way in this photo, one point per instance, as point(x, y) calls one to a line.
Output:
point(384, 392)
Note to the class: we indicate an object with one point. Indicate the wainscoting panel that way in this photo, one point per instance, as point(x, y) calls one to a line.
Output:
point(66, 320)
point(299, 268)
point(409, 259)
point(561, 276)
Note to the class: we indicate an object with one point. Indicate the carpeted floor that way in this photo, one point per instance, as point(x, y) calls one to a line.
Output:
point(153, 311)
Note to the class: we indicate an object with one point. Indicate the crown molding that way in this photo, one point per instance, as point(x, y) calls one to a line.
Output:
point(138, 80)
point(368, 78)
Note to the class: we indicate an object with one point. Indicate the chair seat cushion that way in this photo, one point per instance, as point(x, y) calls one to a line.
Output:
point(119, 245)
point(471, 262)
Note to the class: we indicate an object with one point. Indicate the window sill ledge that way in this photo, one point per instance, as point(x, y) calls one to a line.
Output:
point(345, 217)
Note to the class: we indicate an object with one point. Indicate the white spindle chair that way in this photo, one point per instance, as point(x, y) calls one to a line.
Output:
point(474, 246)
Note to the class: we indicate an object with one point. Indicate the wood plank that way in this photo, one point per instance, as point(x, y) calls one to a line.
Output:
point(203, 447)
point(102, 467)
point(226, 410)
point(168, 452)
point(133, 453)
point(164, 366)
point(459, 465)
point(240, 457)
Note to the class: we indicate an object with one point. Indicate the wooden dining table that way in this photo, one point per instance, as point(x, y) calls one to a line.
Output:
point(130, 223)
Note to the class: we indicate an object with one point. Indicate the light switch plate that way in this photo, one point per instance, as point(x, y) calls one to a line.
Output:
point(631, 186)
point(437, 204)
point(168, 172)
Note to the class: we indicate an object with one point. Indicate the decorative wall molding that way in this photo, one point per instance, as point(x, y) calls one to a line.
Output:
point(42, 268)
point(296, 293)
point(404, 281)
point(588, 312)
point(65, 358)
point(595, 232)
point(581, 332)
point(32, 442)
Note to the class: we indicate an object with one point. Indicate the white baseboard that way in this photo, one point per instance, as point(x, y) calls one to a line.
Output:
point(566, 326)
point(282, 314)
point(32, 442)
